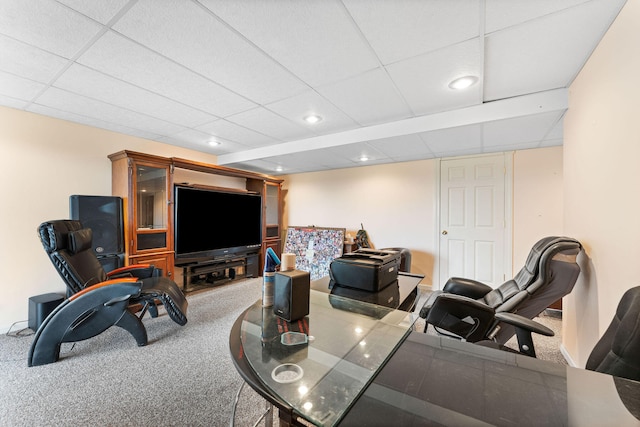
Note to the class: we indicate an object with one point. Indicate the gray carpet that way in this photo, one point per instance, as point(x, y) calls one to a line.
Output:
point(183, 377)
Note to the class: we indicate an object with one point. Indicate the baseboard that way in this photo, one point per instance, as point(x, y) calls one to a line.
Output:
point(567, 357)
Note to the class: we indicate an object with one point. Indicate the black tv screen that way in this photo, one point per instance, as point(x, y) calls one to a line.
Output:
point(214, 223)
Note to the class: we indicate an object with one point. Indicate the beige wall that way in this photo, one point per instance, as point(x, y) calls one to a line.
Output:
point(602, 148)
point(44, 161)
point(537, 199)
point(396, 203)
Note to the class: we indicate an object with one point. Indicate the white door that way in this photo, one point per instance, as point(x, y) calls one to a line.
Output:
point(475, 219)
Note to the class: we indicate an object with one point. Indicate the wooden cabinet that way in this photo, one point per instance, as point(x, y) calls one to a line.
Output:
point(145, 183)
point(271, 214)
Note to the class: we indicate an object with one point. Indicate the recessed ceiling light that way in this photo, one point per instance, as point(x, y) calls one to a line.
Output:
point(363, 158)
point(312, 119)
point(463, 82)
point(214, 143)
point(279, 169)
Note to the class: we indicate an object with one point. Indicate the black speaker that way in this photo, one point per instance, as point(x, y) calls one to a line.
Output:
point(103, 215)
point(291, 294)
point(40, 306)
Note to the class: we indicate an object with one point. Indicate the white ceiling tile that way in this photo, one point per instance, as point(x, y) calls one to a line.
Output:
point(424, 80)
point(402, 29)
point(9, 101)
point(354, 152)
point(18, 87)
point(234, 132)
point(84, 81)
point(506, 13)
point(454, 140)
point(406, 146)
point(122, 58)
point(208, 47)
point(60, 30)
point(83, 106)
point(28, 61)
point(551, 143)
point(369, 98)
point(545, 53)
point(102, 11)
point(520, 130)
point(310, 103)
point(268, 123)
point(200, 141)
point(91, 121)
point(317, 41)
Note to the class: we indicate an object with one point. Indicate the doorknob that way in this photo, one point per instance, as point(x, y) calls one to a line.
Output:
point(445, 232)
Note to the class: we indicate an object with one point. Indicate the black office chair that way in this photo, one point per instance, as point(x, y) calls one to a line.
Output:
point(474, 311)
point(618, 350)
point(98, 300)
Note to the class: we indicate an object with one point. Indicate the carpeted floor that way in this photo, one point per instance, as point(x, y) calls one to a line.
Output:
point(184, 376)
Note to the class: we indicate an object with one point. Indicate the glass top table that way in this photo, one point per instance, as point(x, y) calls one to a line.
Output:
point(320, 364)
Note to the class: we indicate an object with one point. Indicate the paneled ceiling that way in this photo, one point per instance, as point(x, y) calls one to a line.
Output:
point(245, 73)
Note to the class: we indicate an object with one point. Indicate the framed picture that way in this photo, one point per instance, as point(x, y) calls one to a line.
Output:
point(315, 248)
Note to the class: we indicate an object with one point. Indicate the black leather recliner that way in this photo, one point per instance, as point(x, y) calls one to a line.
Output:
point(618, 350)
point(97, 300)
point(474, 311)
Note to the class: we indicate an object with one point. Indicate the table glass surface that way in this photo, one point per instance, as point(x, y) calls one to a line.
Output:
point(348, 341)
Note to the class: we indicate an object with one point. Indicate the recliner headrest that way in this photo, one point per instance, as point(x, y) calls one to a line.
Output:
point(80, 240)
point(54, 235)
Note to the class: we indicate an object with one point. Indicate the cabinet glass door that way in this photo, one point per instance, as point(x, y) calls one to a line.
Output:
point(151, 206)
point(272, 210)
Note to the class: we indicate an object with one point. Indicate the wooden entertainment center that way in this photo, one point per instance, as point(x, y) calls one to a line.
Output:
point(145, 182)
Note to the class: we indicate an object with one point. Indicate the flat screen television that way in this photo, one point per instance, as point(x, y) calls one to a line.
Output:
point(211, 224)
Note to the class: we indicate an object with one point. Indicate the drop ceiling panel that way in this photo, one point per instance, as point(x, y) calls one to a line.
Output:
point(316, 41)
point(59, 29)
point(370, 98)
point(124, 59)
point(354, 153)
point(402, 147)
point(101, 11)
point(18, 87)
point(28, 61)
point(520, 130)
point(448, 142)
point(399, 30)
point(236, 133)
point(91, 121)
point(180, 31)
point(507, 13)
point(198, 140)
point(310, 103)
point(83, 106)
point(543, 53)
point(269, 123)
point(84, 81)
point(424, 80)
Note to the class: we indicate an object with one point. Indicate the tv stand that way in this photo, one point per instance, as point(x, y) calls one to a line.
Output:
point(219, 270)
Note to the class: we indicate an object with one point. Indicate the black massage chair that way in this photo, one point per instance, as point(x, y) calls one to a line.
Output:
point(474, 311)
point(98, 300)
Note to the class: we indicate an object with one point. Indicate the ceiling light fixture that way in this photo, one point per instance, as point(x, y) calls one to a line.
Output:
point(463, 82)
point(279, 168)
point(363, 158)
point(312, 119)
point(214, 143)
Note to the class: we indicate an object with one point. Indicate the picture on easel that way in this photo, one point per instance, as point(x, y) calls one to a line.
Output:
point(315, 248)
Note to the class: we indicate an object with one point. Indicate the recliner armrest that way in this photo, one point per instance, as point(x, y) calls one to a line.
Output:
point(524, 323)
point(467, 287)
point(524, 328)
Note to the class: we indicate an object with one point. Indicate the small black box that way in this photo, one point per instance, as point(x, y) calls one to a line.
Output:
point(40, 306)
point(291, 294)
